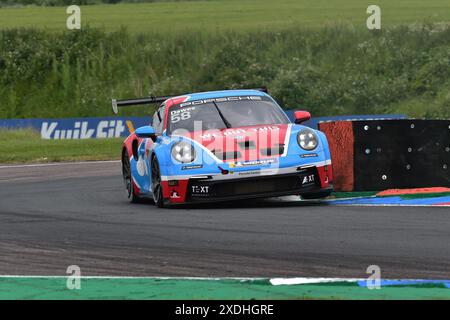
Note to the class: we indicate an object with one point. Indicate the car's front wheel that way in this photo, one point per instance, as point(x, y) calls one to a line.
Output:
point(127, 178)
point(156, 184)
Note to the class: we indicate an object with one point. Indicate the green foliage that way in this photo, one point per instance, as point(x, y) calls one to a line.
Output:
point(329, 71)
point(26, 145)
point(54, 3)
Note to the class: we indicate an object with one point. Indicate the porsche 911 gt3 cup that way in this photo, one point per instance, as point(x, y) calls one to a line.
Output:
point(222, 146)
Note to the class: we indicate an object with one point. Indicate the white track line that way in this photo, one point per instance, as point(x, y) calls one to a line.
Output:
point(131, 277)
point(56, 164)
point(294, 281)
point(273, 281)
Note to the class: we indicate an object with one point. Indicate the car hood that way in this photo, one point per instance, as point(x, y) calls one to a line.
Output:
point(244, 143)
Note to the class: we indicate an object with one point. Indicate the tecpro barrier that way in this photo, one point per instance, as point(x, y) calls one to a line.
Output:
point(386, 154)
point(111, 127)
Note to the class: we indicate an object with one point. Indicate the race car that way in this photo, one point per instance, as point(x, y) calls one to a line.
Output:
point(223, 146)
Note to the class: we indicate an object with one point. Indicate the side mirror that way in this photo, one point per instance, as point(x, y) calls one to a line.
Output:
point(146, 132)
point(301, 116)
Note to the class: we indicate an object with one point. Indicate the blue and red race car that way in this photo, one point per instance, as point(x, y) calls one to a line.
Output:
point(221, 146)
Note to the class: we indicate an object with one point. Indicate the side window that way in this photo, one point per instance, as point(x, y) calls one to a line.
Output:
point(158, 120)
point(162, 112)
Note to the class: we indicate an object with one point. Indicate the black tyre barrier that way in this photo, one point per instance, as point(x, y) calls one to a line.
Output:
point(391, 154)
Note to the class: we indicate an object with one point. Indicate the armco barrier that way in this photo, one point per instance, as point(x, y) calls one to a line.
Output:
point(110, 127)
point(372, 155)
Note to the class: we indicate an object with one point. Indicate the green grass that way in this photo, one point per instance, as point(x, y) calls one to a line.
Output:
point(20, 146)
point(220, 15)
point(39, 288)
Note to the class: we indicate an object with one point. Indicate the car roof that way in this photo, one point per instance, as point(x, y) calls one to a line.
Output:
point(222, 94)
point(169, 103)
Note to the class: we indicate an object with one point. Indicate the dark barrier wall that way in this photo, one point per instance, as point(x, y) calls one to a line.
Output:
point(389, 154)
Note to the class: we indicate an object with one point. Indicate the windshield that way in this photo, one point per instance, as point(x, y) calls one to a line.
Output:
point(222, 113)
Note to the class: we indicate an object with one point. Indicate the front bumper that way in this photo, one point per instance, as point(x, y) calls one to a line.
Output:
point(198, 190)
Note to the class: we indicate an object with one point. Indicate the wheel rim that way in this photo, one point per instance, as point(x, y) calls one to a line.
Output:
point(156, 181)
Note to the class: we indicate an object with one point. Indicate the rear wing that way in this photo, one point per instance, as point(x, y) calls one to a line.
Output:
point(116, 104)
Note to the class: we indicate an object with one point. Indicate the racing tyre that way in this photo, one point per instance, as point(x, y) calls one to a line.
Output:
point(156, 184)
point(126, 173)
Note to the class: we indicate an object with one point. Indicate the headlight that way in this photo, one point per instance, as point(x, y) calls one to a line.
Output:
point(307, 139)
point(183, 152)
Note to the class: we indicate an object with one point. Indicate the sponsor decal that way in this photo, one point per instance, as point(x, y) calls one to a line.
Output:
point(249, 173)
point(233, 132)
point(194, 166)
point(265, 128)
point(81, 130)
point(141, 167)
point(200, 190)
point(224, 99)
point(181, 114)
point(309, 155)
point(174, 195)
point(251, 163)
point(238, 132)
point(308, 179)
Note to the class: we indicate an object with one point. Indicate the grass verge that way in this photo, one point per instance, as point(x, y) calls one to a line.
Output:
point(186, 289)
point(220, 15)
point(26, 146)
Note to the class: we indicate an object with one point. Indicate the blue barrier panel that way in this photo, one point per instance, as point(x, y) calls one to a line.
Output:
point(79, 128)
point(110, 127)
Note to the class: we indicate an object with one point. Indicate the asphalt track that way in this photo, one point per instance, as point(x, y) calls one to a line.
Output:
point(76, 214)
